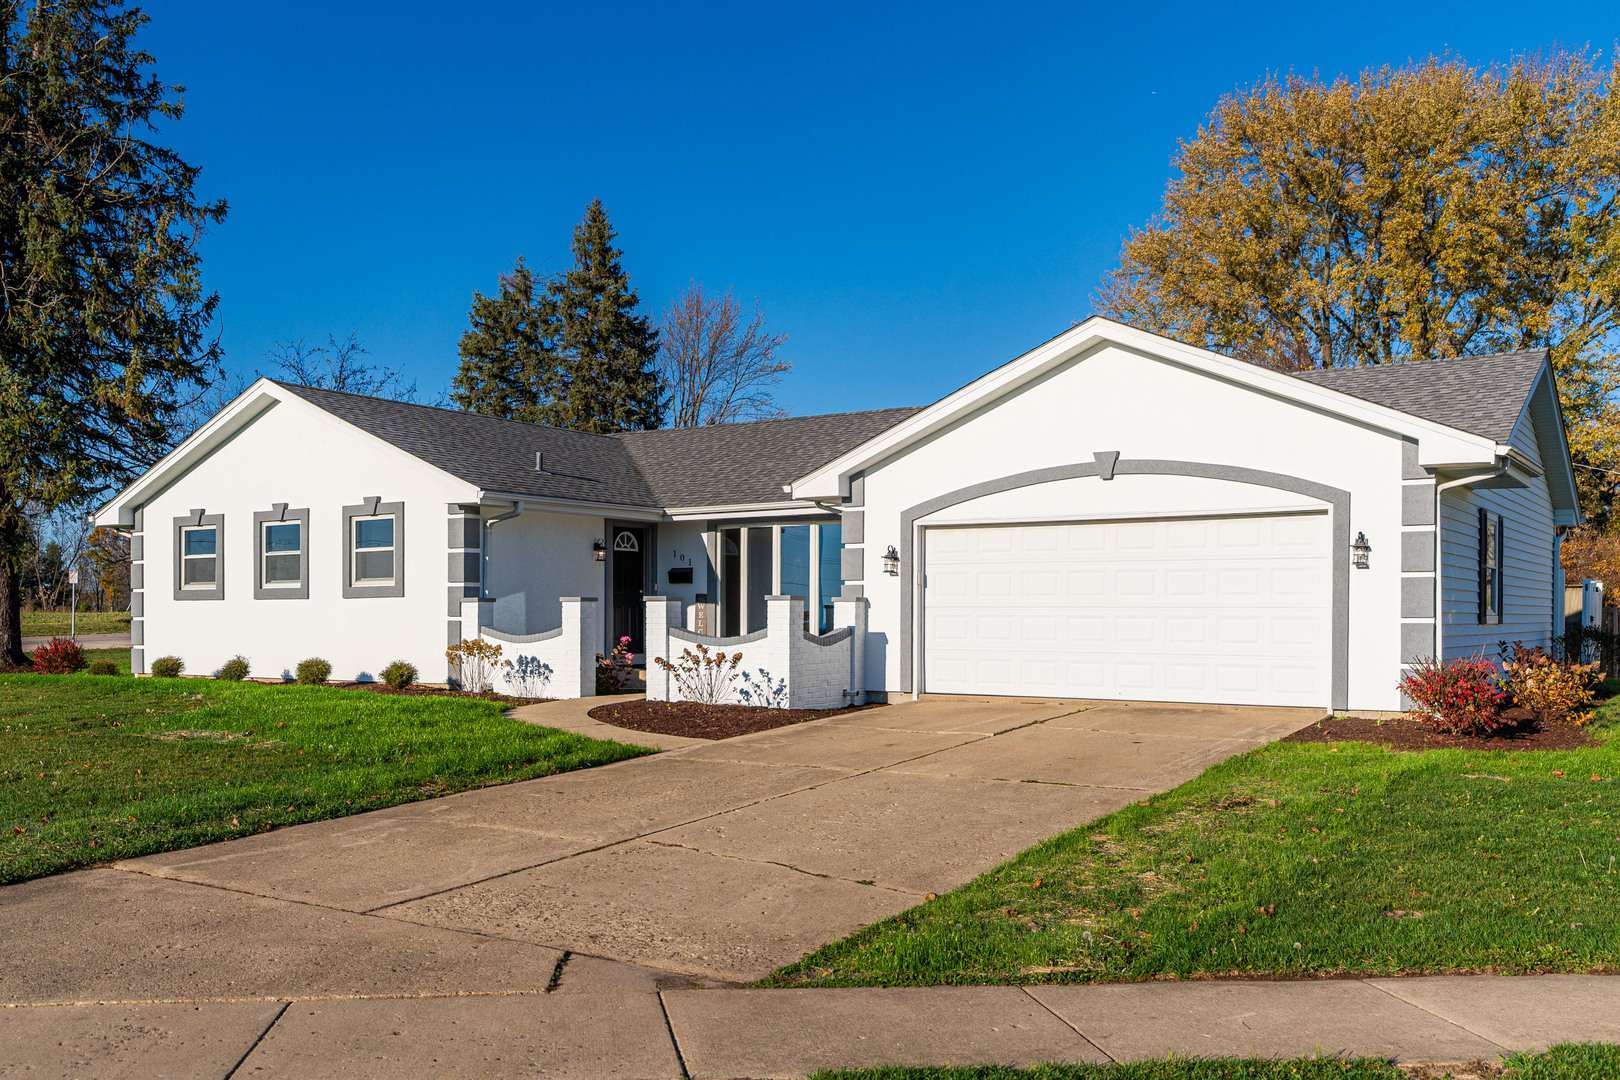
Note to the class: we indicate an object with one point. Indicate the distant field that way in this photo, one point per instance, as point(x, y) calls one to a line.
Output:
point(55, 623)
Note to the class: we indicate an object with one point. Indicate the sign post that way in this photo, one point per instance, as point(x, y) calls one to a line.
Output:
point(73, 604)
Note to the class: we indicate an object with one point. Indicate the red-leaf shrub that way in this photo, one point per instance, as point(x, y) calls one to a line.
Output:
point(1457, 697)
point(61, 657)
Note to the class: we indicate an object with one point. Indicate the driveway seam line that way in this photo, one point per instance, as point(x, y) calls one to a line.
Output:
point(669, 1029)
point(1083, 1037)
point(1430, 1012)
point(249, 1052)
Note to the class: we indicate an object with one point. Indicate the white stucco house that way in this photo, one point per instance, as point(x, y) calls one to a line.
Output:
point(1111, 515)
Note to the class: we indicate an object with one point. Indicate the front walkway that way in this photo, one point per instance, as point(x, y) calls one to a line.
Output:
point(588, 924)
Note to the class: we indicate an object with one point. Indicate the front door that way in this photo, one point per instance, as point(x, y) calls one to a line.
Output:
point(629, 576)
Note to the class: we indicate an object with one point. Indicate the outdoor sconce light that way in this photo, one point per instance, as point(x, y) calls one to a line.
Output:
point(1360, 550)
point(891, 562)
point(599, 550)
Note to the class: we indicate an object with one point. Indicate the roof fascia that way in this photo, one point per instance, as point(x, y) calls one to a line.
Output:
point(575, 506)
point(1547, 383)
point(785, 509)
point(246, 407)
point(1439, 445)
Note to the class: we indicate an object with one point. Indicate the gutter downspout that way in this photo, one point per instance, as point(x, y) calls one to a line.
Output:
point(483, 576)
point(1439, 550)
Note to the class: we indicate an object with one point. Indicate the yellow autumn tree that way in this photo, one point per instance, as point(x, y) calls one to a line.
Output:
point(1432, 210)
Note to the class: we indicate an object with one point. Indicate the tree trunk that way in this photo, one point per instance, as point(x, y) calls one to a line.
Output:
point(11, 650)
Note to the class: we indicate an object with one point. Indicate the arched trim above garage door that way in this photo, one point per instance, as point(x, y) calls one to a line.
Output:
point(1106, 466)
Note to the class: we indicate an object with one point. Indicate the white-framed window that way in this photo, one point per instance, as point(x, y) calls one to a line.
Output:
point(199, 557)
point(283, 565)
point(1490, 567)
point(374, 550)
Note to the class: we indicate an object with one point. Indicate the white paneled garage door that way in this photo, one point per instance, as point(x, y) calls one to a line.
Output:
point(1232, 610)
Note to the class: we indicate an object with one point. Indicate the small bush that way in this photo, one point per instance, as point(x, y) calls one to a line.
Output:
point(1457, 697)
point(233, 670)
point(61, 657)
point(476, 662)
point(313, 672)
point(103, 667)
point(168, 667)
point(1549, 690)
point(399, 674)
point(702, 676)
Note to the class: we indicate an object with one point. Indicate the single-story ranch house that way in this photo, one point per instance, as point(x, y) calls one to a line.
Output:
point(1111, 515)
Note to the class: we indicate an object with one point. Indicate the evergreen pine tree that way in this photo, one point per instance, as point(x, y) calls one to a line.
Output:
point(509, 359)
point(609, 352)
point(104, 329)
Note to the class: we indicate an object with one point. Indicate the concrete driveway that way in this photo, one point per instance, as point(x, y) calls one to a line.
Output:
point(712, 861)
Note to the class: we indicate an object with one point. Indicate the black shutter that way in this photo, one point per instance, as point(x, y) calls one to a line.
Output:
point(1484, 576)
point(1501, 570)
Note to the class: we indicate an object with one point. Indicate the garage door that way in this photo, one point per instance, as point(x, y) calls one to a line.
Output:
point(1231, 610)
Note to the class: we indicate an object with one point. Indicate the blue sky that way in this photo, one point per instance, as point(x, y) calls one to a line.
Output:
point(915, 194)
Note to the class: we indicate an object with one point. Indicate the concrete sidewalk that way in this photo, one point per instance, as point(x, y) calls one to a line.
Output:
point(587, 1028)
point(86, 641)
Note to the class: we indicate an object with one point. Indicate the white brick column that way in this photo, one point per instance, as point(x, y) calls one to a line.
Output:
point(581, 618)
point(850, 611)
point(663, 612)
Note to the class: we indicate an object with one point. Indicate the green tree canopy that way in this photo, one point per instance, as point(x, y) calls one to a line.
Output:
point(510, 365)
point(570, 351)
point(104, 319)
point(610, 353)
point(1428, 211)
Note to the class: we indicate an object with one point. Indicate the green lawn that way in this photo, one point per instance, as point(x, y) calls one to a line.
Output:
point(1294, 859)
point(94, 768)
point(1585, 1061)
point(48, 623)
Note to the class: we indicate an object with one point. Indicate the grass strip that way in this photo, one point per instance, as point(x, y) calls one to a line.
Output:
point(1567, 1061)
point(1294, 860)
point(59, 623)
point(96, 768)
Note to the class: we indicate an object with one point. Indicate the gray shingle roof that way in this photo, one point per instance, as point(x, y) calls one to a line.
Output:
point(747, 463)
point(720, 465)
point(1480, 394)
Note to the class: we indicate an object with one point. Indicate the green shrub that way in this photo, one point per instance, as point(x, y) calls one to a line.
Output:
point(399, 674)
point(103, 667)
point(233, 670)
point(168, 667)
point(313, 672)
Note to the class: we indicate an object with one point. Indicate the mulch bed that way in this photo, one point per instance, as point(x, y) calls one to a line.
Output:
point(1412, 735)
point(694, 721)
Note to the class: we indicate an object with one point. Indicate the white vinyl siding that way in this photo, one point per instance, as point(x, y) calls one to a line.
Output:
point(1527, 570)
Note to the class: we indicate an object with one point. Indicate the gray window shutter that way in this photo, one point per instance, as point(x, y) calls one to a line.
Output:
point(1484, 575)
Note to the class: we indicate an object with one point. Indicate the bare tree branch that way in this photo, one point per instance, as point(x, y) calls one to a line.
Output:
point(339, 366)
point(716, 368)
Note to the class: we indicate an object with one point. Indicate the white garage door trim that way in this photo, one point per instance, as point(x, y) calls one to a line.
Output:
point(1105, 465)
point(1230, 608)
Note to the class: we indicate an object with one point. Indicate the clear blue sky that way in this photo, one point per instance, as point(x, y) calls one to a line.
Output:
point(914, 194)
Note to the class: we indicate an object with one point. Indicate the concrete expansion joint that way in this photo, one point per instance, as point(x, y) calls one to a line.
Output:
point(1044, 1008)
point(1381, 988)
point(249, 1052)
point(669, 1029)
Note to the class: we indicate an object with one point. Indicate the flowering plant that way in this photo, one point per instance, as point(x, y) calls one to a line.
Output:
point(613, 671)
point(702, 676)
point(476, 661)
point(1458, 697)
point(1549, 690)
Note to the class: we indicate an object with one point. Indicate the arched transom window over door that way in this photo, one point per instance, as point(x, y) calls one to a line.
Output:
point(626, 541)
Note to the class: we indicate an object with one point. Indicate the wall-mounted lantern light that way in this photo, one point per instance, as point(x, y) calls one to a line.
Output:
point(1360, 550)
point(599, 550)
point(891, 562)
